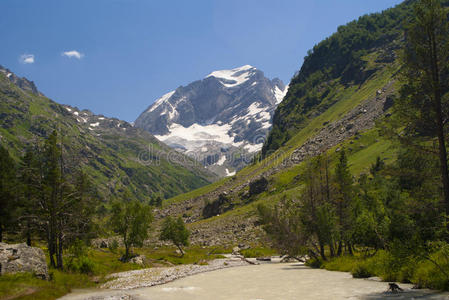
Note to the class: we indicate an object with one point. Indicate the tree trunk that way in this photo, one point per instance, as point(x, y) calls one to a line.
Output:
point(59, 253)
point(51, 254)
point(1, 232)
point(332, 250)
point(350, 249)
point(180, 249)
point(322, 253)
point(126, 251)
point(339, 251)
point(28, 233)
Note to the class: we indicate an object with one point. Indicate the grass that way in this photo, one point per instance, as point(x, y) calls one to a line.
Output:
point(27, 286)
point(258, 252)
point(422, 272)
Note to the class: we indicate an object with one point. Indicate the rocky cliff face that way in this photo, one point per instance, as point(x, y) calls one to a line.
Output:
point(22, 83)
point(221, 120)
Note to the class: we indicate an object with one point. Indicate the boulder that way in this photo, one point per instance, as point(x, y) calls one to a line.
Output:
point(22, 258)
point(103, 244)
point(139, 260)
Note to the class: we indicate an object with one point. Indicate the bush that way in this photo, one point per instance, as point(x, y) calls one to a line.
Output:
point(362, 270)
point(428, 274)
point(257, 252)
point(314, 263)
point(78, 261)
point(83, 265)
point(342, 264)
point(113, 246)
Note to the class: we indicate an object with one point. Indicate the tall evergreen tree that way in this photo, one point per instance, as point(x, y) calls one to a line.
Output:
point(30, 193)
point(423, 105)
point(7, 184)
point(344, 195)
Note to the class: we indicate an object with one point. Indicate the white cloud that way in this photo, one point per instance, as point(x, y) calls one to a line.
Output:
point(73, 53)
point(27, 58)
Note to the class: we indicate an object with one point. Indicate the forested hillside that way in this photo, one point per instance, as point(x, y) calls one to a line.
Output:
point(355, 54)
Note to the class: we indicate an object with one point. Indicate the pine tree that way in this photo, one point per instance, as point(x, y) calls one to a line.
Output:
point(30, 183)
point(423, 106)
point(343, 199)
point(7, 184)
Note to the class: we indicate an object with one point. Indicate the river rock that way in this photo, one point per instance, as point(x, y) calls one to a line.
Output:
point(139, 260)
point(22, 258)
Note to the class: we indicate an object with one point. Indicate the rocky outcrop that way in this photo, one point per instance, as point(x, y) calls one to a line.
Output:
point(22, 83)
point(22, 258)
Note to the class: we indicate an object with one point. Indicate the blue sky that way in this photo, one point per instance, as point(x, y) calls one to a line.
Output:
point(121, 55)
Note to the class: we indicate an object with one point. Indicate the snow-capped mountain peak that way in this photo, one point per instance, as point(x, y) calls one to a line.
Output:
point(234, 77)
point(228, 111)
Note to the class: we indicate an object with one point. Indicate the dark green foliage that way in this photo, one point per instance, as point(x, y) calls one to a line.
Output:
point(131, 220)
point(65, 204)
point(44, 200)
point(156, 201)
point(175, 230)
point(423, 106)
point(7, 189)
point(343, 195)
point(78, 259)
point(361, 271)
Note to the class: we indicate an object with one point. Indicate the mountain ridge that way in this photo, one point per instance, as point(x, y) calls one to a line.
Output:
point(117, 156)
point(225, 115)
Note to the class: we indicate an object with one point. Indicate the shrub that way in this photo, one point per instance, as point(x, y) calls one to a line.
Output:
point(314, 263)
point(113, 246)
point(433, 273)
point(257, 252)
point(342, 264)
point(83, 265)
point(362, 270)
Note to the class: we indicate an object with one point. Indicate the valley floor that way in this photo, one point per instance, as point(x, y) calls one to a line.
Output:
point(265, 281)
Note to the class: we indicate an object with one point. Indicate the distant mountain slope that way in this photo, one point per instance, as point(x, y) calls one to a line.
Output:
point(349, 58)
point(221, 120)
point(116, 155)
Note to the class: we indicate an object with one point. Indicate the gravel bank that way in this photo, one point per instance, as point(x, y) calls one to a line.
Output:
point(155, 276)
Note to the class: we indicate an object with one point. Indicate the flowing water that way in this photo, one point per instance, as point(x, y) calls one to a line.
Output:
point(263, 282)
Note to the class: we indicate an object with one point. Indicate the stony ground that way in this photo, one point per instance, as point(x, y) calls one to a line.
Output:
point(156, 276)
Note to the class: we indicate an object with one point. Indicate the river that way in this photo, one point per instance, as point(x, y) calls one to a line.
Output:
point(263, 282)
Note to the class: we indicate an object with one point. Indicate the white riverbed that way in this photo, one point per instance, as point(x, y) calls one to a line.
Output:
point(263, 282)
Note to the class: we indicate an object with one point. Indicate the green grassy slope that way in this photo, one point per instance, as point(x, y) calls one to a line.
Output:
point(115, 155)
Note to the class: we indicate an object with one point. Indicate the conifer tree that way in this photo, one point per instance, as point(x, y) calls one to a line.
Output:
point(423, 106)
